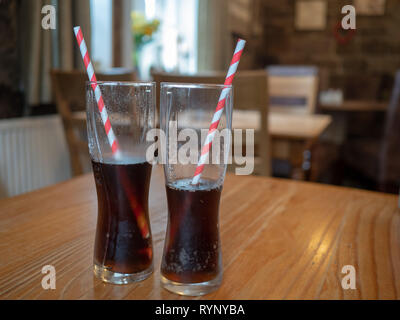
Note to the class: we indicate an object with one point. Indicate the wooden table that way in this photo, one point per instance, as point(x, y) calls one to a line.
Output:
point(338, 131)
point(293, 136)
point(284, 125)
point(356, 105)
point(281, 239)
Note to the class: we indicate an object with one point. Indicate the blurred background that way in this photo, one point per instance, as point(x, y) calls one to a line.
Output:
point(324, 101)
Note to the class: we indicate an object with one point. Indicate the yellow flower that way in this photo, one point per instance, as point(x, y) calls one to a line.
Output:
point(148, 30)
point(141, 26)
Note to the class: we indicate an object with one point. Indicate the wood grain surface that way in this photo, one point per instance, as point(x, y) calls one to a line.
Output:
point(280, 240)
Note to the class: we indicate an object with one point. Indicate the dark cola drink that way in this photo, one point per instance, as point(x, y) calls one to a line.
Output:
point(123, 238)
point(192, 247)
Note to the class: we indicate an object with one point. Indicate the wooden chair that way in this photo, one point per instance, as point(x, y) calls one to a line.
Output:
point(210, 77)
point(293, 89)
point(379, 159)
point(70, 94)
point(250, 93)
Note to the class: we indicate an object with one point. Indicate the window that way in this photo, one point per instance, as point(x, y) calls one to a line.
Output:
point(101, 20)
point(174, 47)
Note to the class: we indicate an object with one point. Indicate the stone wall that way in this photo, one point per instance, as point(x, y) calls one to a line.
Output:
point(364, 67)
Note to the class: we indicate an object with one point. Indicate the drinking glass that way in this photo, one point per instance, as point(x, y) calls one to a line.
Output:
point(191, 262)
point(123, 251)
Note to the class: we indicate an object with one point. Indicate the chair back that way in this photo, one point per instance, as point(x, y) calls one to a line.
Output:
point(70, 94)
point(293, 89)
point(389, 158)
point(70, 85)
point(209, 77)
point(250, 94)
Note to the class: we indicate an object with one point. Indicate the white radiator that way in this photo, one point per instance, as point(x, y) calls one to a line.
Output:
point(33, 154)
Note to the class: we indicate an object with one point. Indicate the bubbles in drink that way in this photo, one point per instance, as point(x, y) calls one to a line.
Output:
point(191, 252)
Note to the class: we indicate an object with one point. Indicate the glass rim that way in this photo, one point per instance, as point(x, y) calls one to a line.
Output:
point(122, 83)
point(195, 85)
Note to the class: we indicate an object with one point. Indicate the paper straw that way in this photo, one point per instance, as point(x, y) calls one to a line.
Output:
point(112, 140)
point(218, 111)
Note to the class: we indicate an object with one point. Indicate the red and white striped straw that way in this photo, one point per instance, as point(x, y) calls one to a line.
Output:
point(112, 140)
point(218, 111)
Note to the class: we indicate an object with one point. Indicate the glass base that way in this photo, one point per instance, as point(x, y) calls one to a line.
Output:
point(192, 289)
point(120, 278)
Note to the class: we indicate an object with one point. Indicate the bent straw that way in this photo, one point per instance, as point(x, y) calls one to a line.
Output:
point(218, 111)
point(112, 140)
